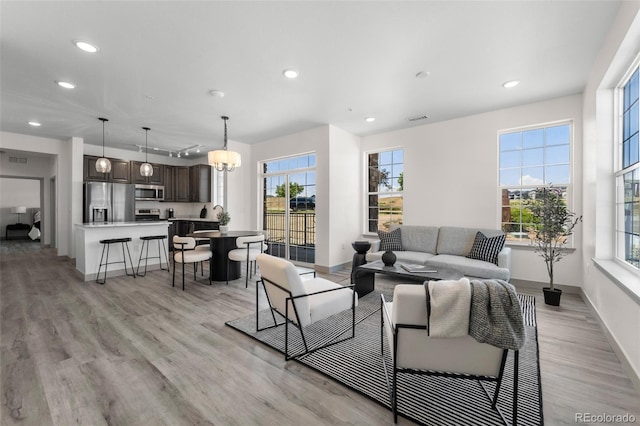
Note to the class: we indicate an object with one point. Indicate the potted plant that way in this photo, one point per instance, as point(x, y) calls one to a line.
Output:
point(554, 224)
point(224, 218)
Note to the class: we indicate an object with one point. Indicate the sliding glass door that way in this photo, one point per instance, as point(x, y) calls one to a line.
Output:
point(289, 207)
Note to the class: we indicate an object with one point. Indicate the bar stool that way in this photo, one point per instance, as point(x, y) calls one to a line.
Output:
point(145, 242)
point(107, 245)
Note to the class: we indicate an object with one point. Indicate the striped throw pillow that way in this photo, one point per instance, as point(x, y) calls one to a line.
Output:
point(486, 249)
point(390, 241)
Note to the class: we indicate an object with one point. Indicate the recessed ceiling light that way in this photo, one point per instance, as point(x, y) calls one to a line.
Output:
point(216, 93)
point(510, 84)
point(423, 74)
point(290, 73)
point(66, 84)
point(370, 119)
point(87, 47)
point(34, 123)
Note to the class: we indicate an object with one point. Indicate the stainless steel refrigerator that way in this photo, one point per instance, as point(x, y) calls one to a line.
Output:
point(109, 202)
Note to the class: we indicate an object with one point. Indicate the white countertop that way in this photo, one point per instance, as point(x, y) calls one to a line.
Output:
point(119, 224)
point(193, 219)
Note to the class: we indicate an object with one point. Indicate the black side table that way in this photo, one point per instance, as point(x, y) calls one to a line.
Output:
point(360, 256)
point(22, 229)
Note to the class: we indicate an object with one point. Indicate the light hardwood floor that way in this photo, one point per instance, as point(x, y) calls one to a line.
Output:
point(139, 352)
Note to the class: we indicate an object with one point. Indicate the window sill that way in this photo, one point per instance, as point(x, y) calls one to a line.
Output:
point(530, 247)
point(625, 278)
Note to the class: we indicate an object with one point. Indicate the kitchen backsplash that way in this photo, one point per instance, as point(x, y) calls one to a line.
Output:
point(180, 210)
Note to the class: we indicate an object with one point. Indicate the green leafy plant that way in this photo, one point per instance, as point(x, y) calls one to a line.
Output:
point(224, 218)
point(554, 224)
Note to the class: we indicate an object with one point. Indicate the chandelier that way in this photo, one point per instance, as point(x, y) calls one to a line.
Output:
point(222, 159)
point(146, 169)
point(103, 165)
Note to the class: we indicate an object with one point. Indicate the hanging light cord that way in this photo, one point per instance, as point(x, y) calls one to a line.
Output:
point(103, 120)
point(225, 118)
point(146, 148)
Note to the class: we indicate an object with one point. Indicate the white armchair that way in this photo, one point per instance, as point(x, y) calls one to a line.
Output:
point(301, 302)
point(404, 321)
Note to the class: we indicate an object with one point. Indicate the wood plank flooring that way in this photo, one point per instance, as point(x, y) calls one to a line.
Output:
point(139, 352)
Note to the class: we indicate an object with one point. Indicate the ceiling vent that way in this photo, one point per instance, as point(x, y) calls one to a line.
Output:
point(19, 160)
point(418, 118)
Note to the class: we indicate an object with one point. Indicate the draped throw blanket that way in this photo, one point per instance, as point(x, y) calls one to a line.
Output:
point(450, 303)
point(496, 315)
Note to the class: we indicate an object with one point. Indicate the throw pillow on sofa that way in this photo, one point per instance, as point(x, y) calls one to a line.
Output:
point(390, 241)
point(486, 249)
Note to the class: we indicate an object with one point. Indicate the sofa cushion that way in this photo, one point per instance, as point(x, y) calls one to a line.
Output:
point(459, 241)
point(485, 248)
point(469, 267)
point(418, 238)
point(390, 240)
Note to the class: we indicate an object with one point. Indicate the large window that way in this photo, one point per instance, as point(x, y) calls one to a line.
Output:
point(532, 158)
point(628, 177)
point(384, 196)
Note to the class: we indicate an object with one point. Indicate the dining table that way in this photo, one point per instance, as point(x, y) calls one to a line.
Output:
point(221, 244)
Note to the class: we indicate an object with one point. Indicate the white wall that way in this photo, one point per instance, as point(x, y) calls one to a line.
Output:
point(617, 306)
point(241, 189)
point(345, 195)
point(451, 175)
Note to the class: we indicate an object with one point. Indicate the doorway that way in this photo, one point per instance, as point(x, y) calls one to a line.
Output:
point(289, 207)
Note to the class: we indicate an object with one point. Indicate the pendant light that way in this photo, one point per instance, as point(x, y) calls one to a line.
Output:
point(146, 169)
point(103, 165)
point(222, 159)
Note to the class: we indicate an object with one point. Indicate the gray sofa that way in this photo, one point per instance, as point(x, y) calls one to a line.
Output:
point(446, 247)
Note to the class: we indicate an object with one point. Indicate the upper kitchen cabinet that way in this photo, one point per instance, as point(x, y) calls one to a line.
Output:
point(120, 170)
point(156, 179)
point(169, 193)
point(181, 184)
point(200, 183)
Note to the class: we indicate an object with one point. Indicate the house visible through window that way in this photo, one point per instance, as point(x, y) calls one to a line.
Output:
point(628, 177)
point(532, 158)
point(384, 196)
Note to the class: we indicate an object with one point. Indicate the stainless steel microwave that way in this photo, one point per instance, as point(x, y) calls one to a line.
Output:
point(149, 192)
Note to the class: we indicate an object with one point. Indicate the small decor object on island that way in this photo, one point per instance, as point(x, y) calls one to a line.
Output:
point(388, 258)
point(224, 218)
point(203, 212)
point(553, 224)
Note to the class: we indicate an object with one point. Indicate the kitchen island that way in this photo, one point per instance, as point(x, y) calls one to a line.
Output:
point(89, 249)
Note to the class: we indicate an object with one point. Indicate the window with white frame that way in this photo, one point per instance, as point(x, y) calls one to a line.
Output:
point(628, 175)
point(385, 175)
point(531, 158)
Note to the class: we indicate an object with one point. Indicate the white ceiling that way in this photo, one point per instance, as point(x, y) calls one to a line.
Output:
point(159, 60)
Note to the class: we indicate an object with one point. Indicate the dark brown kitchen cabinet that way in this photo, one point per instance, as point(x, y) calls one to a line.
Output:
point(200, 183)
point(169, 183)
point(156, 179)
point(181, 184)
point(120, 170)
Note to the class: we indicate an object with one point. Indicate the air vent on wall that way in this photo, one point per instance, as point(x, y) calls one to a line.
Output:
point(418, 118)
point(19, 160)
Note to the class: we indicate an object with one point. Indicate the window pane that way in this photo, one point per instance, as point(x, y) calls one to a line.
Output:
point(510, 159)
point(533, 138)
point(510, 177)
point(633, 119)
point(557, 154)
point(633, 150)
point(510, 141)
point(386, 158)
point(398, 156)
point(558, 135)
point(557, 174)
point(532, 176)
point(533, 157)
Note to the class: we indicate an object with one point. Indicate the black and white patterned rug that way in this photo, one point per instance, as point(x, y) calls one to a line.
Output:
point(357, 363)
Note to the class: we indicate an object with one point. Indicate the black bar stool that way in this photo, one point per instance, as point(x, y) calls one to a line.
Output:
point(145, 242)
point(107, 245)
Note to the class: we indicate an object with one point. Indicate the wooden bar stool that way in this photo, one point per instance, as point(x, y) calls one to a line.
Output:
point(107, 245)
point(145, 243)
